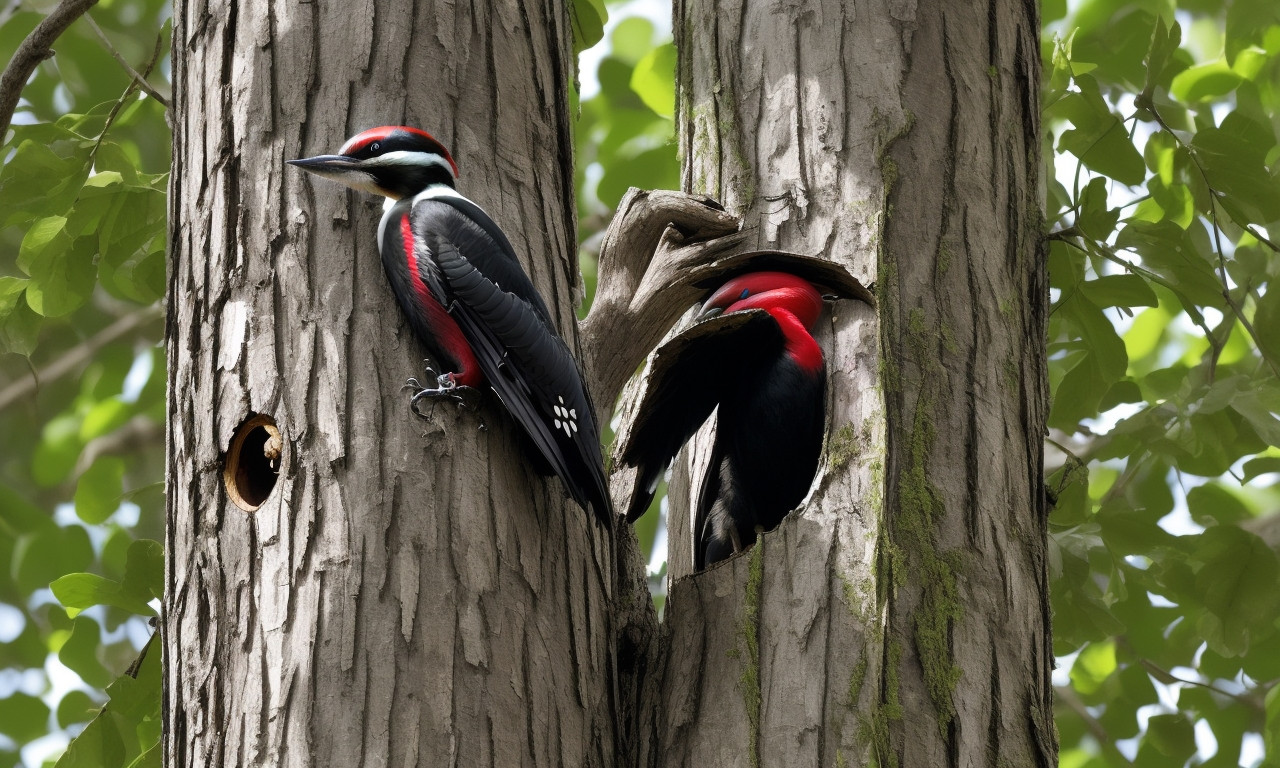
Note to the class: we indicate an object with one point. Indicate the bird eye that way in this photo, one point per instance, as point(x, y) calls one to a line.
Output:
point(745, 293)
point(375, 146)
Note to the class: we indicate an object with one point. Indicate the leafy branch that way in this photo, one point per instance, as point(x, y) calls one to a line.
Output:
point(37, 47)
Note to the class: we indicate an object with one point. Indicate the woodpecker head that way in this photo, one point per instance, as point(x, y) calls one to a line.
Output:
point(767, 291)
point(393, 161)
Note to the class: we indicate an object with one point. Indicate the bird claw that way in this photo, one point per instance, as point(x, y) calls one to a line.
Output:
point(445, 387)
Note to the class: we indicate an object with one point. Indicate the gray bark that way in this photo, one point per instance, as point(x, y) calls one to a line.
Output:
point(900, 617)
point(411, 592)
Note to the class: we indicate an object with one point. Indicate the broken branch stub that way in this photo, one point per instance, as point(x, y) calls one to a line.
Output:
point(660, 255)
point(641, 292)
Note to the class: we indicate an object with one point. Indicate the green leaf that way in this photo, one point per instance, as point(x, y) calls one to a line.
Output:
point(76, 707)
point(152, 758)
point(1173, 736)
point(44, 556)
point(61, 268)
point(1266, 318)
point(1092, 667)
point(99, 489)
point(1120, 291)
point(1261, 466)
point(1237, 584)
point(654, 80)
point(1271, 732)
point(78, 591)
point(128, 726)
point(1168, 251)
point(23, 717)
point(1098, 333)
point(144, 572)
point(1164, 43)
point(80, 652)
point(1259, 405)
point(1234, 159)
point(20, 330)
point(45, 239)
point(56, 453)
point(1205, 82)
point(631, 40)
point(1211, 504)
point(1096, 220)
point(1099, 138)
point(36, 182)
point(588, 17)
point(1078, 395)
point(104, 417)
point(17, 333)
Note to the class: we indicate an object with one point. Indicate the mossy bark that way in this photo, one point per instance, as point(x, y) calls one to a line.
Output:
point(901, 615)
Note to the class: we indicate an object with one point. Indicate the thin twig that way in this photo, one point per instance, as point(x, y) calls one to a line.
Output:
point(138, 77)
point(78, 355)
point(37, 47)
point(1164, 676)
point(118, 107)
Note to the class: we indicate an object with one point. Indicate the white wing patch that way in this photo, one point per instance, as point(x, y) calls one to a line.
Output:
point(567, 418)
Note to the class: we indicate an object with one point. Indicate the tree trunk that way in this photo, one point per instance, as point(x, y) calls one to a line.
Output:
point(409, 592)
point(900, 618)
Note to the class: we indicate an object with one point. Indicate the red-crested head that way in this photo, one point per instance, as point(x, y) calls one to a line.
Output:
point(387, 139)
point(768, 291)
point(793, 302)
point(393, 160)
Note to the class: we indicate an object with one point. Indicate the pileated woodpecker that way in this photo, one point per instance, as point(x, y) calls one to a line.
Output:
point(455, 275)
point(751, 354)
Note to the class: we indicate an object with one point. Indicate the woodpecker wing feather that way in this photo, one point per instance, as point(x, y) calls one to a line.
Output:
point(687, 378)
point(526, 363)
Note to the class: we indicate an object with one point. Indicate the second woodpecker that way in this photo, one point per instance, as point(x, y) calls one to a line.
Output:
point(751, 355)
point(456, 276)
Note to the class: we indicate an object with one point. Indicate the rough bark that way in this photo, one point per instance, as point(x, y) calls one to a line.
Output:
point(411, 592)
point(900, 617)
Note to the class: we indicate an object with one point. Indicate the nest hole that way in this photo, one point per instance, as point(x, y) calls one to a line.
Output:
point(253, 462)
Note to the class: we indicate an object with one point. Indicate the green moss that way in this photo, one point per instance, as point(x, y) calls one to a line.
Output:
point(842, 446)
point(888, 172)
point(920, 506)
point(949, 340)
point(857, 678)
point(749, 681)
point(1012, 375)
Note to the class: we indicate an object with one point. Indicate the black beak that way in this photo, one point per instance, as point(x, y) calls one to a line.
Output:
point(326, 165)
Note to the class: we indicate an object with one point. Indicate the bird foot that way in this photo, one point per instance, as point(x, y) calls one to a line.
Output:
point(446, 387)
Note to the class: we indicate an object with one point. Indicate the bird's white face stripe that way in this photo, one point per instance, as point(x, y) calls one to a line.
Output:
point(407, 158)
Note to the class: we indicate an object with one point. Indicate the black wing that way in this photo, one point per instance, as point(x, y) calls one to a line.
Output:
point(481, 242)
point(687, 378)
point(526, 363)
